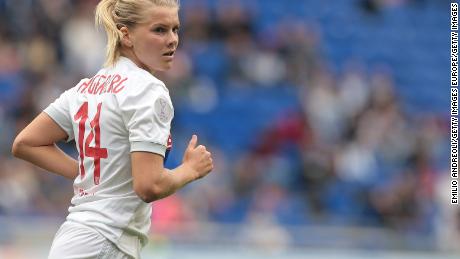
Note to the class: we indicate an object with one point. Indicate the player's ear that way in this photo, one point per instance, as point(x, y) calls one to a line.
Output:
point(126, 40)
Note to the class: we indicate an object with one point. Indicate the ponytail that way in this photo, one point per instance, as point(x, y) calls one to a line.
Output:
point(105, 16)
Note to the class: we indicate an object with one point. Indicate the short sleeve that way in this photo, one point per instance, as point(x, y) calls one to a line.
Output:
point(59, 112)
point(147, 113)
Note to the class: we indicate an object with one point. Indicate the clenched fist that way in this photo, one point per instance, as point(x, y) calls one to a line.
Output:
point(197, 158)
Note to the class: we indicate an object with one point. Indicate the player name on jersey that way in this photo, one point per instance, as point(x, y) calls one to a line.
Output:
point(100, 84)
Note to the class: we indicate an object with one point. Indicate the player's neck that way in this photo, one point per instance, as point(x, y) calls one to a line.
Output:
point(129, 53)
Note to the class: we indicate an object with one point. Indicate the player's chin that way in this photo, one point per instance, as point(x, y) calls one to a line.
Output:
point(165, 67)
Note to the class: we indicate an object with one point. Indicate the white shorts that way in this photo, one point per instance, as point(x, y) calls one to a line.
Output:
point(77, 241)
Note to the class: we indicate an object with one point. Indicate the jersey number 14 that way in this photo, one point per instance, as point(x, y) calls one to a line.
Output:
point(95, 152)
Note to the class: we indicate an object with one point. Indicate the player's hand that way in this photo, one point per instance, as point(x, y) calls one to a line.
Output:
point(197, 158)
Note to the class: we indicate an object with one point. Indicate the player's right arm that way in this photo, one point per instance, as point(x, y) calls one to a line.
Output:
point(151, 181)
point(36, 144)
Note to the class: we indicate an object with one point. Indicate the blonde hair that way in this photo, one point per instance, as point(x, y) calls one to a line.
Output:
point(114, 14)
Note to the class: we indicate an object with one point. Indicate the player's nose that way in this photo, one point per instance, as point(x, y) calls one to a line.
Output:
point(172, 40)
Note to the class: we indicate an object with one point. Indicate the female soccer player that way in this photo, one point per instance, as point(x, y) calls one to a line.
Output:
point(120, 119)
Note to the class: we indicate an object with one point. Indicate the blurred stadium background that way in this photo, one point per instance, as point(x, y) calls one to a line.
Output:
point(329, 122)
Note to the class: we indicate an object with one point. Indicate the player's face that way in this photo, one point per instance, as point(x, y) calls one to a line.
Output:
point(155, 41)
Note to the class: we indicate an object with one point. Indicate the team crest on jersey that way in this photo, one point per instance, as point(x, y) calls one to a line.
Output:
point(168, 147)
point(163, 110)
point(169, 142)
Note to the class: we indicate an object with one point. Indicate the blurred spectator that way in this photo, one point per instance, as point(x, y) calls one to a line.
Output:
point(83, 45)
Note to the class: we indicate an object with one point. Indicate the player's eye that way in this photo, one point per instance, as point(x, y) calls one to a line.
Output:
point(159, 29)
point(176, 29)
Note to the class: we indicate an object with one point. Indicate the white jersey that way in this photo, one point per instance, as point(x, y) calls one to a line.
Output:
point(120, 110)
